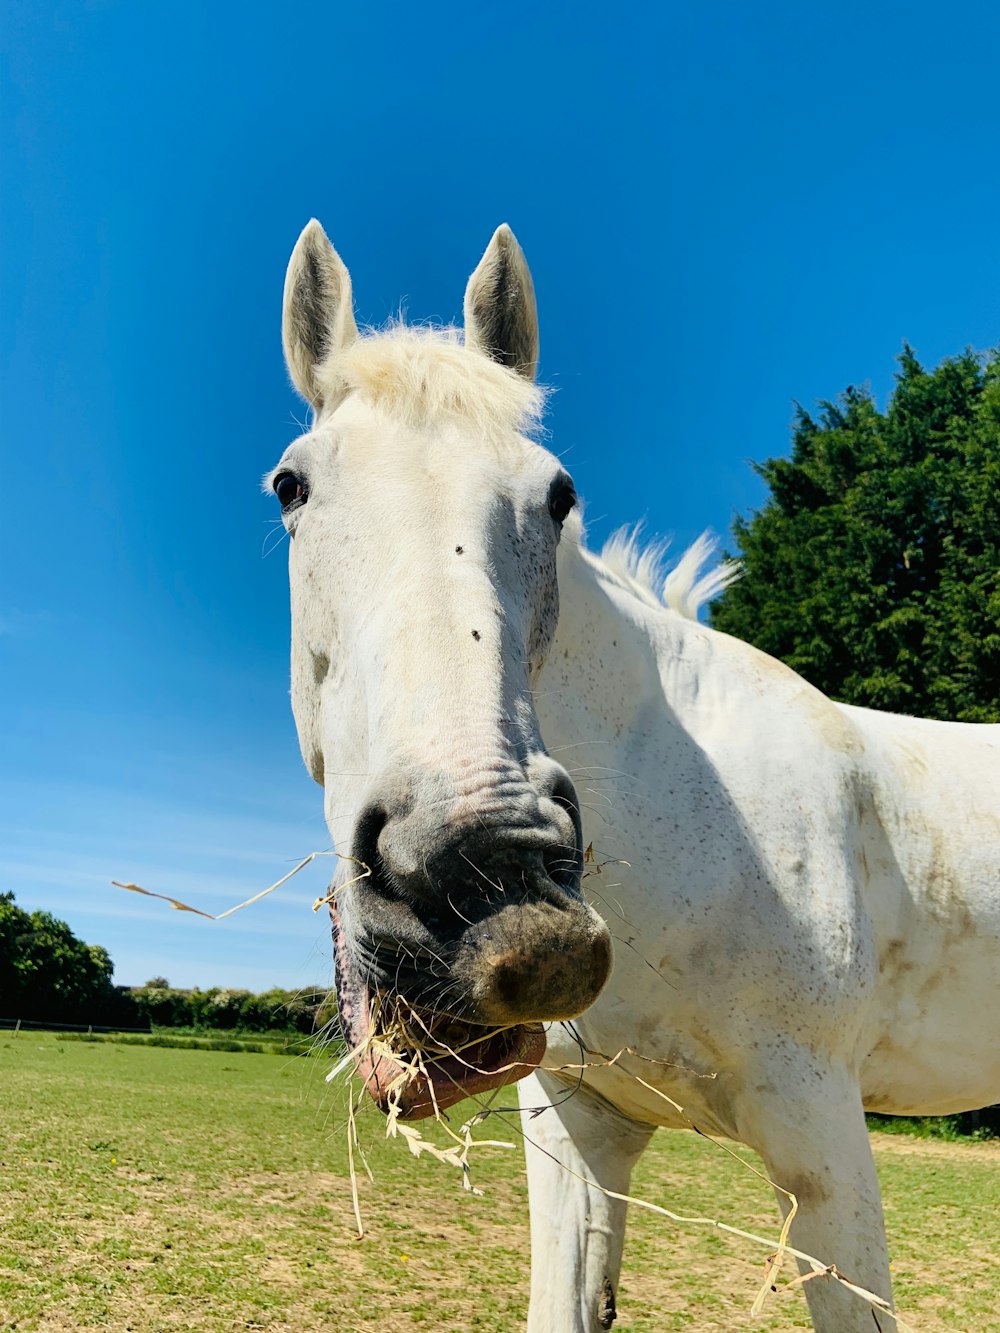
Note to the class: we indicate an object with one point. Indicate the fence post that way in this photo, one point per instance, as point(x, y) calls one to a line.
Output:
point(17, 1027)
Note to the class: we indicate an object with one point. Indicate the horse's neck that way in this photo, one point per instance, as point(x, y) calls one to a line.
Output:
point(618, 665)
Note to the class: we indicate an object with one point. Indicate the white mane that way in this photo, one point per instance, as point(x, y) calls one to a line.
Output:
point(421, 374)
point(686, 587)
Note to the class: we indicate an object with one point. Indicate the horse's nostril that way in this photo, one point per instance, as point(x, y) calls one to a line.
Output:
point(564, 794)
point(367, 833)
point(563, 860)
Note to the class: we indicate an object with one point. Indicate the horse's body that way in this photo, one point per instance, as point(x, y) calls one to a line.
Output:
point(804, 898)
point(818, 890)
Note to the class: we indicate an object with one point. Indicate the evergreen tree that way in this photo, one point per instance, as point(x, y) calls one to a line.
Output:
point(874, 567)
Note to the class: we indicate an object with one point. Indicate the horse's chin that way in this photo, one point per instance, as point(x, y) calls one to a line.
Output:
point(455, 1062)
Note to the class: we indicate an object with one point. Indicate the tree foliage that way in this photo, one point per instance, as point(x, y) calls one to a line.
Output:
point(874, 567)
point(46, 973)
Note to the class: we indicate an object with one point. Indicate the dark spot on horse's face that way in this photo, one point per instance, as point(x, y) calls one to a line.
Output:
point(476, 635)
point(459, 550)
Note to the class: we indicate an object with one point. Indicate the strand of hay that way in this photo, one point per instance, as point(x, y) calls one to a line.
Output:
point(391, 1036)
point(352, 1145)
point(774, 1263)
point(330, 898)
point(397, 1034)
point(819, 1269)
point(327, 899)
point(606, 1062)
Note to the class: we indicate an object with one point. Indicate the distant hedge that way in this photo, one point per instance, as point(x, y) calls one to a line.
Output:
point(229, 1010)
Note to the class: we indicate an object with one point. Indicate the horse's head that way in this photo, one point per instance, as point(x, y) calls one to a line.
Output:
point(424, 526)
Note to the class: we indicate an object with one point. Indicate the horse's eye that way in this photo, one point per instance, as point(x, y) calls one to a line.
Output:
point(289, 489)
point(561, 500)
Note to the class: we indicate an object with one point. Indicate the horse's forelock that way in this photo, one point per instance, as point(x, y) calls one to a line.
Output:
point(418, 375)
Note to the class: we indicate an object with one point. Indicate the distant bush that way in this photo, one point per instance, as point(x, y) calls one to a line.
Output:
point(229, 1010)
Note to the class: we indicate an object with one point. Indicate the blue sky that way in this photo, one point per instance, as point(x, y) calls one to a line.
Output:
point(727, 207)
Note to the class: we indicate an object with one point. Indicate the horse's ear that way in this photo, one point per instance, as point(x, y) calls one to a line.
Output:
point(500, 314)
point(318, 315)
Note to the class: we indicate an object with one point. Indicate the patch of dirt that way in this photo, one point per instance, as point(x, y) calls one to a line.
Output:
point(906, 1145)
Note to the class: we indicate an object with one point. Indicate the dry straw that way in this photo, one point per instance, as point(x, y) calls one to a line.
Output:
point(325, 901)
point(398, 1036)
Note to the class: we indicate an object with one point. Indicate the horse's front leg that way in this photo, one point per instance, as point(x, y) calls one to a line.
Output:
point(577, 1232)
point(815, 1144)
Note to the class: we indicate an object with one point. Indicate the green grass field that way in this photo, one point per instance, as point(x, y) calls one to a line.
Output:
point(153, 1189)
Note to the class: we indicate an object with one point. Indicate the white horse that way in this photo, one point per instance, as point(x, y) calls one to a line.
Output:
point(808, 923)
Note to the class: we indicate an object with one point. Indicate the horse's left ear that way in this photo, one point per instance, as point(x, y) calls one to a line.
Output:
point(500, 315)
point(318, 314)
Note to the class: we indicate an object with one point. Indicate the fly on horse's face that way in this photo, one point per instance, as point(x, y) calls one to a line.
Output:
point(424, 528)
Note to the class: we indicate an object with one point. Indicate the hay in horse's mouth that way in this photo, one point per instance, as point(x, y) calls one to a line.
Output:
point(415, 1063)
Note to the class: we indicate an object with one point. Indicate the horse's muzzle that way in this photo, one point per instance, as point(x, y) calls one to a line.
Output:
point(474, 908)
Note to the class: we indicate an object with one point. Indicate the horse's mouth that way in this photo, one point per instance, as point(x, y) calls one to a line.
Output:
point(414, 1062)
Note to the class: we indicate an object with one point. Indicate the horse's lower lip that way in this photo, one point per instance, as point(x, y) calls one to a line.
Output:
point(495, 1061)
point(497, 1058)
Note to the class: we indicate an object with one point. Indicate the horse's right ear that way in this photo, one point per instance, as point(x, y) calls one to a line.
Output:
point(500, 315)
point(318, 314)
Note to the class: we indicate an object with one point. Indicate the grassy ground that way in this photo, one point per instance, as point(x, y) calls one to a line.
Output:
point(153, 1189)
